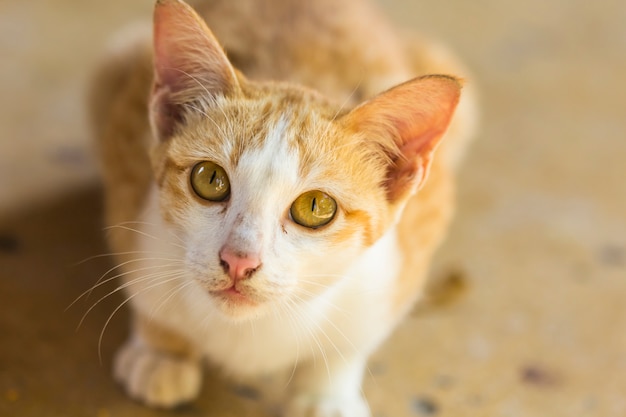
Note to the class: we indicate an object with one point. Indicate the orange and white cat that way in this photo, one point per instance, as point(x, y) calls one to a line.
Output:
point(274, 207)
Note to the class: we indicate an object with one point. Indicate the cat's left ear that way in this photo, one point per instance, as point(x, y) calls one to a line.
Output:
point(188, 64)
point(408, 121)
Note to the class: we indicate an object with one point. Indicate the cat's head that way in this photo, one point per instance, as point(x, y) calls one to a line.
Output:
point(274, 189)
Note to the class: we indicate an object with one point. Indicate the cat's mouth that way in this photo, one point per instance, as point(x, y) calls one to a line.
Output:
point(234, 296)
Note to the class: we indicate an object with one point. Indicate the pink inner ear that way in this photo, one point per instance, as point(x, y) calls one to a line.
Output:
point(186, 54)
point(410, 167)
point(409, 122)
point(188, 63)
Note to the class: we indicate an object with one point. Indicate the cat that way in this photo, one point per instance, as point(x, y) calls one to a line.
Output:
point(273, 204)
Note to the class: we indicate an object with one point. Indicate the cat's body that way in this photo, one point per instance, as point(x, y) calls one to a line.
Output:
point(237, 280)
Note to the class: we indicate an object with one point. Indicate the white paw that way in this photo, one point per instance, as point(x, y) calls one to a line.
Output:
point(156, 378)
point(309, 406)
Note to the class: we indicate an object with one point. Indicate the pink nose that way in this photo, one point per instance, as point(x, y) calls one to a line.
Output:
point(237, 265)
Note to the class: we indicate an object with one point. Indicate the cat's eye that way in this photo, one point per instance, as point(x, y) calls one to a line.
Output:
point(210, 181)
point(313, 209)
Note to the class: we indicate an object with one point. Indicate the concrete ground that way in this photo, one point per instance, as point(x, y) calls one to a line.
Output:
point(526, 314)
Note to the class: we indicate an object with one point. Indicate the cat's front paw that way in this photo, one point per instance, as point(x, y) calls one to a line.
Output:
point(156, 378)
point(311, 406)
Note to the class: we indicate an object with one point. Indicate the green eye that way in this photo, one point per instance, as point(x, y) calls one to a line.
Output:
point(210, 181)
point(313, 209)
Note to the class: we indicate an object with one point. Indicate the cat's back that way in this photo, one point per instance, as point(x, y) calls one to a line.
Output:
point(338, 47)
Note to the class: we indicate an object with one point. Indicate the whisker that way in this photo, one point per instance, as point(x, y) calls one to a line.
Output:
point(321, 276)
point(343, 335)
point(313, 336)
point(295, 333)
point(121, 305)
point(347, 100)
point(206, 90)
point(338, 330)
point(209, 94)
point(98, 283)
point(149, 277)
point(171, 232)
point(326, 302)
point(141, 232)
point(324, 333)
point(205, 114)
point(169, 296)
point(112, 254)
point(368, 290)
point(343, 105)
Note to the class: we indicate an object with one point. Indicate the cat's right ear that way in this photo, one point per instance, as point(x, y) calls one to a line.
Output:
point(408, 122)
point(188, 64)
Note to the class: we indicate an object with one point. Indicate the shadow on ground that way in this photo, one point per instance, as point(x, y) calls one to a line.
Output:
point(48, 367)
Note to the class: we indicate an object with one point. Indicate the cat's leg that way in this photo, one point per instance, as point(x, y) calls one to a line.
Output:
point(328, 387)
point(158, 366)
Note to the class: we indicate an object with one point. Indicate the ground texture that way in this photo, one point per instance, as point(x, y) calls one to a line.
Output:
point(526, 314)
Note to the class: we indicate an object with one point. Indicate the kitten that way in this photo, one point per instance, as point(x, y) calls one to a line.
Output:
point(268, 220)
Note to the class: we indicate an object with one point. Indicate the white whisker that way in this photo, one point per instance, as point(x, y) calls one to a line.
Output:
point(112, 254)
point(98, 282)
point(141, 232)
point(128, 299)
point(205, 114)
point(149, 277)
point(171, 232)
point(169, 295)
point(295, 312)
point(295, 333)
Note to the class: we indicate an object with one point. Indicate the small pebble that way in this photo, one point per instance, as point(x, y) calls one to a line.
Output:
point(8, 243)
point(246, 392)
point(12, 395)
point(613, 255)
point(423, 406)
point(538, 376)
point(444, 381)
point(447, 290)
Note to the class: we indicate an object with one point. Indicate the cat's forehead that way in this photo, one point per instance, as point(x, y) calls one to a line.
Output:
point(273, 161)
point(288, 149)
point(274, 128)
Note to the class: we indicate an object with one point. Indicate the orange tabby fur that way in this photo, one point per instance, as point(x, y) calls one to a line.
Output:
point(344, 51)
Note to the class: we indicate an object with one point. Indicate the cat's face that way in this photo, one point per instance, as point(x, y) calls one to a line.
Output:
point(274, 190)
point(275, 179)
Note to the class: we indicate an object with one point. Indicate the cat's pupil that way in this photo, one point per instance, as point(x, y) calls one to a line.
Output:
point(313, 205)
point(213, 177)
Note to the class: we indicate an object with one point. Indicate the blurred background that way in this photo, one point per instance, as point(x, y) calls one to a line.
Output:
point(526, 312)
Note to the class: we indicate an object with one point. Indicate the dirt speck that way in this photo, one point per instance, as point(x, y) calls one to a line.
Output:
point(539, 376)
point(444, 381)
point(9, 243)
point(12, 395)
point(103, 412)
point(613, 255)
point(445, 290)
point(424, 406)
point(245, 391)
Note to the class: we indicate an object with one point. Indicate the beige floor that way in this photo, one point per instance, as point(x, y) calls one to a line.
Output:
point(528, 312)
